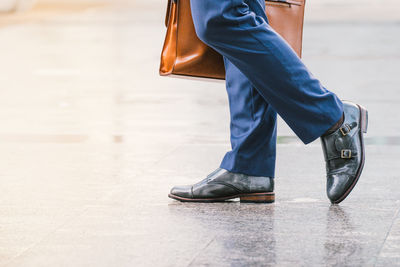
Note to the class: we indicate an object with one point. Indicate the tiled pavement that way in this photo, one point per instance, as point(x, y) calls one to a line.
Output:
point(92, 139)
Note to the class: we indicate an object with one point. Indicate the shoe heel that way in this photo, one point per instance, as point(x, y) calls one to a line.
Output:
point(364, 119)
point(258, 198)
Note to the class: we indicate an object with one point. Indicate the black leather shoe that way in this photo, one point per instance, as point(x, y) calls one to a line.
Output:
point(344, 152)
point(223, 185)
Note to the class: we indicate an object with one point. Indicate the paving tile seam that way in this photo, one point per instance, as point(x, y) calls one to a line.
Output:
point(395, 217)
point(283, 144)
point(201, 250)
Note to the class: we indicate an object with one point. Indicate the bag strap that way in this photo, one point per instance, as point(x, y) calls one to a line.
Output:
point(169, 8)
point(167, 13)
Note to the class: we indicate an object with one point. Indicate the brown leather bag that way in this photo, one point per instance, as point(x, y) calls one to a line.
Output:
point(184, 54)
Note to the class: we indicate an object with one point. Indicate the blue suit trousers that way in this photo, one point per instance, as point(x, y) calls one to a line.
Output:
point(264, 77)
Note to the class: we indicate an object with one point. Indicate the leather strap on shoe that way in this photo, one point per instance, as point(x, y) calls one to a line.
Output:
point(343, 143)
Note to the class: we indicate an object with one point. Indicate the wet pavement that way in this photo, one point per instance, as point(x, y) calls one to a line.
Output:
point(92, 139)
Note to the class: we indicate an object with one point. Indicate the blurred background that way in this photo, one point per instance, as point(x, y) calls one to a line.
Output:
point(74, 60)
point(92, 139)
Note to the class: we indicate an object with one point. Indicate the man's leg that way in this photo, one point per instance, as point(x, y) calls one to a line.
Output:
point(247, 171)
point(253, 127)
point(239, 31)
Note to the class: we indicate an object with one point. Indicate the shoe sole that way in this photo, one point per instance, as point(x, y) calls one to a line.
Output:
point(364, 127)
point(268, 197)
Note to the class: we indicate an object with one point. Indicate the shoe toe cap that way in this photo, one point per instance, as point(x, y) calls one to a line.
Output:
point(337, 186)
point(184, 191)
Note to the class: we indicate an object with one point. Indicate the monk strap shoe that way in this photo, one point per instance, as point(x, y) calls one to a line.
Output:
point(344, 152)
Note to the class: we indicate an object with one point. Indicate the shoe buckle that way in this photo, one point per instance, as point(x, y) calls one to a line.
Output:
point(345, 154)
point(345, 129)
